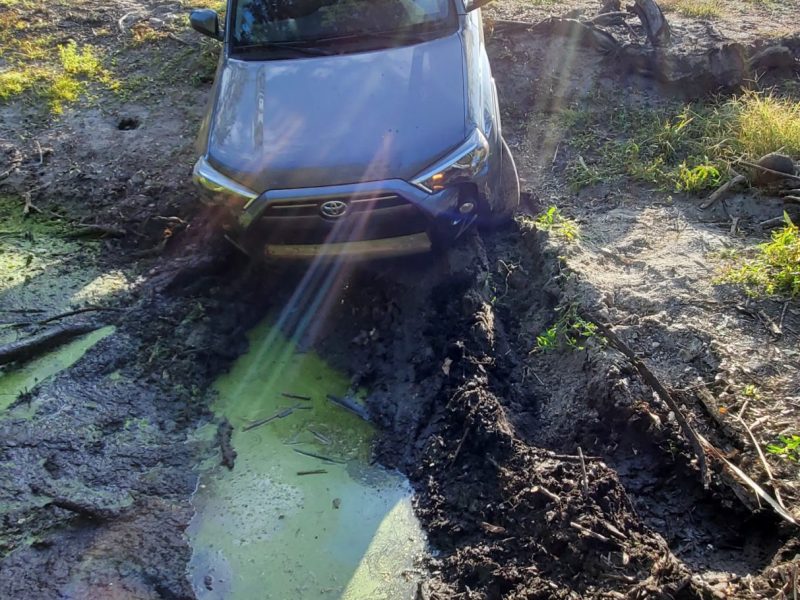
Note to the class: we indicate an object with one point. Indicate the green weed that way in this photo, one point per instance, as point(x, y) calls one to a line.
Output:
point(569, 331)
point(555, 223)
point(786, 447)
point(697, 178)
point(688, 149)
point(775, 270)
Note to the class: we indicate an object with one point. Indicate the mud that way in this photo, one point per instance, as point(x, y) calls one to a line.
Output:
point(100, 458)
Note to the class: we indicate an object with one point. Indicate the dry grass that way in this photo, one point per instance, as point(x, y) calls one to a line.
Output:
point(756, 124)
point(700, 9)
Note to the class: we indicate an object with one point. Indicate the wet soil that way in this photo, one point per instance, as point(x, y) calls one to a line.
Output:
point(535, 475)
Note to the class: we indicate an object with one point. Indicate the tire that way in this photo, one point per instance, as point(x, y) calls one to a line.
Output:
point(508, 196)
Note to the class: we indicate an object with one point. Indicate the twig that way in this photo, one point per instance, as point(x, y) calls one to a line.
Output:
point(771, 171)
point(573, 457)
point(783, 314)
point(592, 534)
point(773, 328)
point(541, 489)
point(320, 437)
point(172, 36)
point(759, 491)
point(281, 414)
point(349, 404)
point(584, 477)
point(314, 472)
point(86, 230)
point(460, 444)
point(763, 461)
point(319, 456)
point(295, 396)
point(36, 344)
point(722, 190)
point(39, 148)
point(79, 311)
point(649, 377)
point(776, 221)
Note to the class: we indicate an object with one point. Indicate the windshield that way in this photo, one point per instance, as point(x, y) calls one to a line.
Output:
point(309, 21)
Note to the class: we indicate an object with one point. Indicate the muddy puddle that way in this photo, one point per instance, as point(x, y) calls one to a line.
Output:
point(16, 380)
point(284, 523)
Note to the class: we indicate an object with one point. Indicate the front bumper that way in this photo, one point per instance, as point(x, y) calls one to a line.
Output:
point(382, 219)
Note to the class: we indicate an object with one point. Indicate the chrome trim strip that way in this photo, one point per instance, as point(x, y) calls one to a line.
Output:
point(211, 180)
point(397, 246)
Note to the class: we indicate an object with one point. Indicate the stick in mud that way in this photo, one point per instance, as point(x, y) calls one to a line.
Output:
point(319, 456)
point(320, 437)
point(314, 472)
point(227, 452)
point(296, 396)
point(349, 404)
point(281, 414)
point(43, 342)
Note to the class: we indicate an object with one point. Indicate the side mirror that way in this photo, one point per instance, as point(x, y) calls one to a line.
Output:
point(206, 21)
point(475, 4)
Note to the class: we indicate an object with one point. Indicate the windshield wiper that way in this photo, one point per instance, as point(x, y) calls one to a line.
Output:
point(285, 46)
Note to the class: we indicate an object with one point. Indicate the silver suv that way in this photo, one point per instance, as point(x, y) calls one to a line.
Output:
point(353, 127)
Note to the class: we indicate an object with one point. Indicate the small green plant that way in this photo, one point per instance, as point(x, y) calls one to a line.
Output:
point(751, 391)
point(775, 270)
point(787, 447)
point(569, 331)
point(557, 224)
point(697, 178)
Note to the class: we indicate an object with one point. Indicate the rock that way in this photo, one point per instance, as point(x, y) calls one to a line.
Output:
point(776, 162)
point(773, 57)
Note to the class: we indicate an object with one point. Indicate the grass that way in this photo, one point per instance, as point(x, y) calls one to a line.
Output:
point(700, 9)
point(552, 221)
point(570, 331)
point(775, 268)
point(35, 65)
point(687, 148)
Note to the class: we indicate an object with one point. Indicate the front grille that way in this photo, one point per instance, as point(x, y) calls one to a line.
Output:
point(310, 208)
point(368, 217)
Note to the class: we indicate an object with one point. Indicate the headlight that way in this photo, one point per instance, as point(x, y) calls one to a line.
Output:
point(220, 188)
point(463, 164)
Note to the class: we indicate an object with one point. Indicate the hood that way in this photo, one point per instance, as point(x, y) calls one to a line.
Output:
point(330, 120)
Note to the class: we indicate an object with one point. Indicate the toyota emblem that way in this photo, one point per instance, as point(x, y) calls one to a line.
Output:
point(333, 209)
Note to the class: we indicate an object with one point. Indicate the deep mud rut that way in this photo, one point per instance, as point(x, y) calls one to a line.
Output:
point(535, 475)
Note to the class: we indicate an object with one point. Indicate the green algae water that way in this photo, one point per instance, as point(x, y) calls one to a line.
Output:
point(277, 527)
point(16, 380)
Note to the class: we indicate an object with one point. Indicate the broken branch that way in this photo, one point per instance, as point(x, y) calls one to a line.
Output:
point(770, 171)
point(650, 379)
point(36, 344)
point(723, 190)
